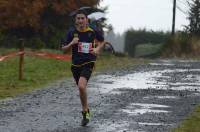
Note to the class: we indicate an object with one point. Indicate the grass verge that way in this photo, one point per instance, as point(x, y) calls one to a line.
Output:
point(37, 72)
point(191, 124)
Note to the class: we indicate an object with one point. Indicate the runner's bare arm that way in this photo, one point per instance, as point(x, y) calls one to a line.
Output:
point(100, 45)
point(68, 46)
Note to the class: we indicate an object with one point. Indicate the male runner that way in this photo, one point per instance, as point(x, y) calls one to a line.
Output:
point(85, 44)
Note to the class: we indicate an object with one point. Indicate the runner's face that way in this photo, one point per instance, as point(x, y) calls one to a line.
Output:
point(81, 21)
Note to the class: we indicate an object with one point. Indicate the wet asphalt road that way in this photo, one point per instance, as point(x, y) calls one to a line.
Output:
point(147, 98)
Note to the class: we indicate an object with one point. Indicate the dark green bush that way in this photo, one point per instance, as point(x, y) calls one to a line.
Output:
point(35, 43)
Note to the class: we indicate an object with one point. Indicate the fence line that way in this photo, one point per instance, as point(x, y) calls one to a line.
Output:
point(38, 54)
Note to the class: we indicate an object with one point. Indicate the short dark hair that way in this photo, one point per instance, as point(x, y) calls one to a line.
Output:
point(80, 12)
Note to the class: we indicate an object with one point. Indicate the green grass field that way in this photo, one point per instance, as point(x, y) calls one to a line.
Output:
point(37, 72)
point(147, 49)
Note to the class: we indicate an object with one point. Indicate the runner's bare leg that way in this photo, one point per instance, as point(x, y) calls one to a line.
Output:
point(83, 92)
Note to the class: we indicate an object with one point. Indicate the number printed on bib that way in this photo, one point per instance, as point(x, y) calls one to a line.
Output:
point(84, 47)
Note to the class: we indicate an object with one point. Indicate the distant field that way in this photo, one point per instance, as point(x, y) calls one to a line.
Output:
point(147, 49)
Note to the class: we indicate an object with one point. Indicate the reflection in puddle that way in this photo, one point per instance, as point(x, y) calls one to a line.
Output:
point(114, 126)
point(146, 80)
point(122, 126)
point(133, 81)
point(143, 111)
point(153, 124)
point(163, 64)
point(138, 108)
point(116, 92)
point(149, 105)
point(161, 97)
point(195, 94)
point(5, 101)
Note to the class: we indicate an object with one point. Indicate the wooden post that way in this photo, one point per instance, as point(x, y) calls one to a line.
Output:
point(21, 59)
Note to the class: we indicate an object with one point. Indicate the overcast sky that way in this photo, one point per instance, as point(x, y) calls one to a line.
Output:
point(149, 14)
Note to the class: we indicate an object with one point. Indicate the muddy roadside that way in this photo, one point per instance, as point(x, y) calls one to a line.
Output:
point(147, 98)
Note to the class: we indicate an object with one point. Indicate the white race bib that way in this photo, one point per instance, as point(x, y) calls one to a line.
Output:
point(84, 47)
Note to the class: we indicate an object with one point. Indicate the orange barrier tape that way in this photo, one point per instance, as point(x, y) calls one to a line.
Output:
point(10, 55)
point(39, 54)
point(50, 55)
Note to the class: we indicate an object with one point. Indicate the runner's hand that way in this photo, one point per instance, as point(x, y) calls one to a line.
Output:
point(95, 51)
point(75, 40)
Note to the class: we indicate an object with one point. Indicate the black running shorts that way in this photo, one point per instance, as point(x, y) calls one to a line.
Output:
point(82, 71)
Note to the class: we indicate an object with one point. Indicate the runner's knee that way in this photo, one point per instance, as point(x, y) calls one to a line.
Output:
point(81, 87)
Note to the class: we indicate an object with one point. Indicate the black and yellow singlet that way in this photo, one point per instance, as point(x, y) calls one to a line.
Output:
point(81, 51)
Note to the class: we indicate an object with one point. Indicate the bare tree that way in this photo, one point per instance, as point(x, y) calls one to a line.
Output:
point(194, 17)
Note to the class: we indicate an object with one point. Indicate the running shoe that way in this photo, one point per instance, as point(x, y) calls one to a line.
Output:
point(86, 118)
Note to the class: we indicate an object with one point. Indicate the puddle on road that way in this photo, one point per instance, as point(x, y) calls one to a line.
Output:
point(5, 101)
point(146, 80)
point(122, 126)
point(143, 111)
point(161, 79)
point(195, 94)
point(161, 97)
point(114, 126)
point(162, 64)
point(133, 81)
point(153, 124)
point(139, 108)
point(134, 109)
